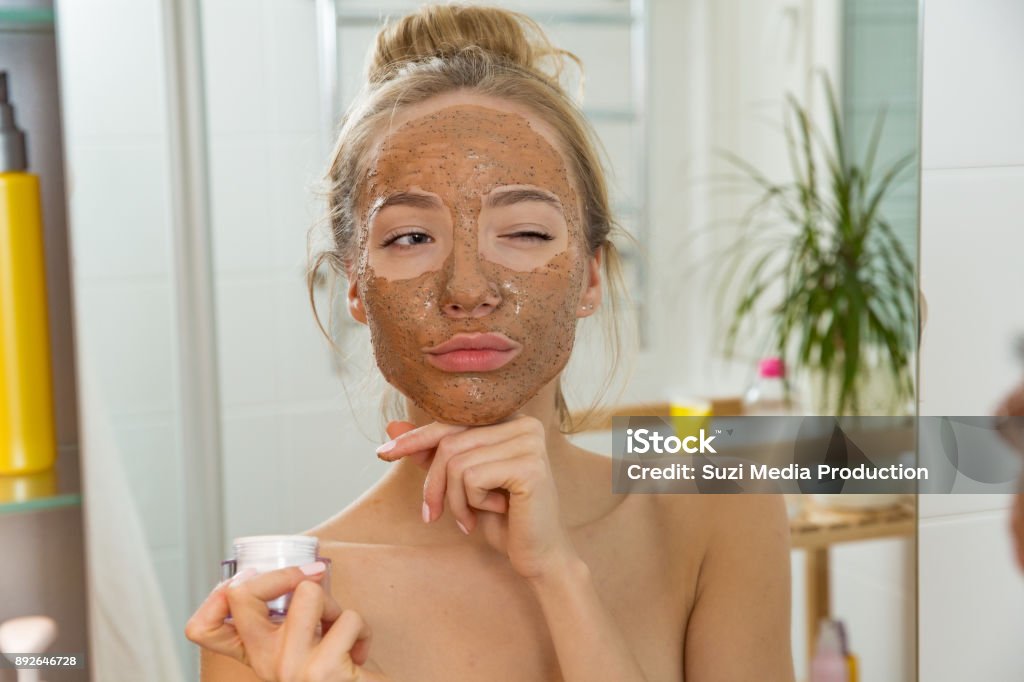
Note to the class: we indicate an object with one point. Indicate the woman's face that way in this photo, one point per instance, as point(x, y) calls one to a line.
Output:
point(472, 265)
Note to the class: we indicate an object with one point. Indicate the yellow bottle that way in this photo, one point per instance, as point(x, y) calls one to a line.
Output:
point(27, 434)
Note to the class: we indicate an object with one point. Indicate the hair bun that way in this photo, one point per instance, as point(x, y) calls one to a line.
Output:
point(445, 30)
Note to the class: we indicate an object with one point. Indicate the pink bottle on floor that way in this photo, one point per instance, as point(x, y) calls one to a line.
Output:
point(829, 663)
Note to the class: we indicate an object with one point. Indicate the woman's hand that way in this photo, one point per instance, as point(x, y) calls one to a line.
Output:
point(290, 651)
point(494, 477)
point(1013, 406)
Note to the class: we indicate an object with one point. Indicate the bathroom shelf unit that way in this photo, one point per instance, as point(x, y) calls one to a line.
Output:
point(817, 529)
point(26, 19)
point(58, 487)
point(42, 515)
point(57, 501)
point(52, 489)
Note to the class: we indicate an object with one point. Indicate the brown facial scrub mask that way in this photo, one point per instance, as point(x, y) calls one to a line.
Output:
point(470, 228)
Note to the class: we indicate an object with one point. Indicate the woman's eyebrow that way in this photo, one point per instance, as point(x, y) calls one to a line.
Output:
point(514, 196)
point(407, 199)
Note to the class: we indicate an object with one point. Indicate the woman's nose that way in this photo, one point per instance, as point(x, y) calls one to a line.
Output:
point(469, 292)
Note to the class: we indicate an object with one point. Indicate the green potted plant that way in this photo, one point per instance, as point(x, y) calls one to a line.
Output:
point(845, 314)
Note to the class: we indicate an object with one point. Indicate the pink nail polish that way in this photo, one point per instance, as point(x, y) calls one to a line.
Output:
point(426, 513)
point(313, 568)
point(390, 445)
point(461, 527)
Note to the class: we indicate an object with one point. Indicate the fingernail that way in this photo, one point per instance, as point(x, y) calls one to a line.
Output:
point(390, 445)
point(313, 568)
point(242, 576)
point(426, 513)
point(461, 527)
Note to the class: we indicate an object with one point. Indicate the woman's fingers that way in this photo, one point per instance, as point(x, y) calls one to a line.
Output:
point(247, 601)
point(295, 649)
point(418, 439)
point(494, 501)
point(343, 649)
point(516, 475)
point(207, 628)
point(394, 429)
point(455, 490)
point(443, 448)
point(309, 608)
point(505, 440)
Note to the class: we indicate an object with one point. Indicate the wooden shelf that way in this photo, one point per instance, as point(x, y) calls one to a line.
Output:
point(816, 527)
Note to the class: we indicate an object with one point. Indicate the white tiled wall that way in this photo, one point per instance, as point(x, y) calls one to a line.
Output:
point(970, 593)
point(293, 452)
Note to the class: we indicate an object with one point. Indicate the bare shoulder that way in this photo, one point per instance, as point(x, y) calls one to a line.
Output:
point(724, 513)
point(739, 627)
point(686, 520)
point(704, 523)
point(368, 519)
point(749, 519)
point(673, 522)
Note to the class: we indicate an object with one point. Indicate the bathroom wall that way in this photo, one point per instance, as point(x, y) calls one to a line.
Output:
point(285, 412)
point(972, 199)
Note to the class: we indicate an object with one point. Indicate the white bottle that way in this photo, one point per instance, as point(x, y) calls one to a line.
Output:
point(767, 395)
point(829, 663)
point(28, 635)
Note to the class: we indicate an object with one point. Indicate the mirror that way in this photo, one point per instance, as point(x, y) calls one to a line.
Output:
point(687, 98)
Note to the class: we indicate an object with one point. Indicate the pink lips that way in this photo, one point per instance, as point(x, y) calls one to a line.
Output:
point(473, 352)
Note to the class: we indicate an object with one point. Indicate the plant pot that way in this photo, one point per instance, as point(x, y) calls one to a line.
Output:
point(876, 388)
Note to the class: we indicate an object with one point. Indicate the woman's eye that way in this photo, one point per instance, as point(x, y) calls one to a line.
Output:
point(408, 239)
point(531, 235)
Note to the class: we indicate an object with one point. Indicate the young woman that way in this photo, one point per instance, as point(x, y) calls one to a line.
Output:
point(470, 217)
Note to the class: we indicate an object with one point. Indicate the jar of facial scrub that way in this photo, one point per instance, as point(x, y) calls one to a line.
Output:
point(270, 552)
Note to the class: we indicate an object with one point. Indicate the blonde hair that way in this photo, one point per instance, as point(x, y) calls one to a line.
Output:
point(485, 50)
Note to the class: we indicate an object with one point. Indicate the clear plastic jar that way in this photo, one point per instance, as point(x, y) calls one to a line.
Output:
point(270, 552)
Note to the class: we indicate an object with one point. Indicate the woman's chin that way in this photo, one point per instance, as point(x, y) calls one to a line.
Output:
point(469, 414)
point(475, 417)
